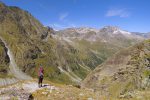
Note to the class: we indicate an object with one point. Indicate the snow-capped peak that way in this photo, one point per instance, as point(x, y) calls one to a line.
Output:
point(121, 32)
point(124, 32)
point(115, 30)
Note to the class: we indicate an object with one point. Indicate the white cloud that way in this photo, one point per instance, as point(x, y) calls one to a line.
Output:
point(63, 22)
point(62, 16)
point(117, 12)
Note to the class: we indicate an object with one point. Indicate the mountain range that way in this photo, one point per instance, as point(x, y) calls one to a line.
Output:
point(67, 55)
point(110, 61)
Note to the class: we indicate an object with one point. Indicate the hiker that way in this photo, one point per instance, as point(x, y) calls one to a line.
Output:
point(40, 74)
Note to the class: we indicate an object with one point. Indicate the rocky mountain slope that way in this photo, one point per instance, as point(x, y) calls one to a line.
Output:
point(65, 58)
point(96, 44)
point(123, 74)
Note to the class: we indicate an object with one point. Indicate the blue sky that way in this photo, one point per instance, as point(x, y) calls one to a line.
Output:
point(131, 15)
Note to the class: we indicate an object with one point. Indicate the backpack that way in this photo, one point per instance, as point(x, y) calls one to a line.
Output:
point(41, 75)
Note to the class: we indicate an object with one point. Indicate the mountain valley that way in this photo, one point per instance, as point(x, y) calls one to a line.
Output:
point(91, 64)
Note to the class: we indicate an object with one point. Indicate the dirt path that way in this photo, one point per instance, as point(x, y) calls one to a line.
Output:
point(22, 90)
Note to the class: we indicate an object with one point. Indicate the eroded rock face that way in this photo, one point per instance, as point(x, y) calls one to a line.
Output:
point(4, 60)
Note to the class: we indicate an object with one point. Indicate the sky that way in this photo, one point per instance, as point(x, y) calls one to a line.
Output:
point(130, 15)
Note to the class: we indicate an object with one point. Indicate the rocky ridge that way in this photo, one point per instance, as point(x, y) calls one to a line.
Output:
point(124, 73)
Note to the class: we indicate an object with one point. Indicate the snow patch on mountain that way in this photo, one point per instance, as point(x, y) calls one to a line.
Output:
point(116, 30)
point(122, 32)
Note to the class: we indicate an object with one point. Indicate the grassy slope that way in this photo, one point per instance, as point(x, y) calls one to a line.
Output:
point(124, 73)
